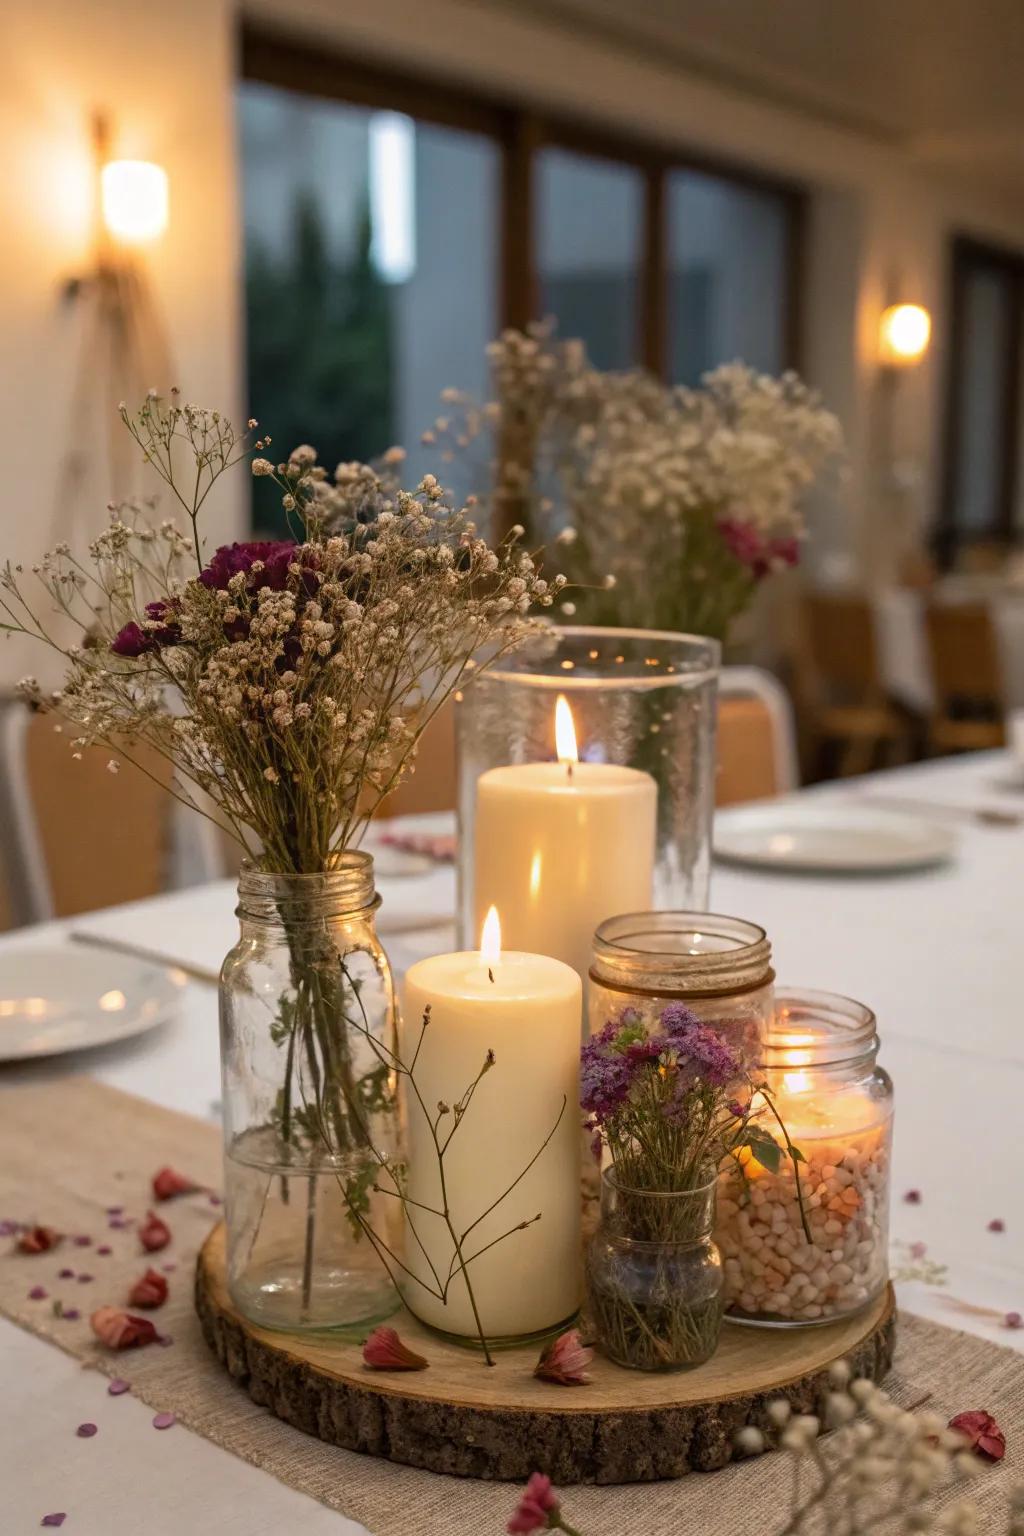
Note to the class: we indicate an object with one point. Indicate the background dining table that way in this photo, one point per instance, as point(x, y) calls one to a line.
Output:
point(937, 953)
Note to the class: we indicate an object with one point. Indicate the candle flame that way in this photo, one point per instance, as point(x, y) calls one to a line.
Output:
point(796, 1082)
point(565, 732)
point(490, 938)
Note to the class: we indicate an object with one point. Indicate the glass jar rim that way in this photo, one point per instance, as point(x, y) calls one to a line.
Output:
point(608, 1178)
point(822, 1029)
point(345, 887)
point(742, 960)
point(696, 660)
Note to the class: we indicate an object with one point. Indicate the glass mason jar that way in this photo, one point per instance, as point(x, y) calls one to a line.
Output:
point(654, 1276)
point(307, 1021)
point(720, 967)
point(836, 1103)
point(558, 850)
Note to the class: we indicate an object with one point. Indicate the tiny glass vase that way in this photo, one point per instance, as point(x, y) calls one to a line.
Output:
point(654, 1276)
point(307, 1023)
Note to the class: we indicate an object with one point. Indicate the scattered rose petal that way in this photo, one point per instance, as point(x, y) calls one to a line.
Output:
point(82, 1241)
point(164, 1421)
point(1013, 1320)
point(70, 1314)
point(918, 1250)
point(116, 1387)
point(997, 1224)
point(38, 1240)
point(168, 1182)
point(53, 1519)
point(384, 1351)
point(913, 1197)
point(37, 1293)
point(981, 1432)
point(104, 1252)
point(85, 1431)
point(120, 1330)
point(65, 1274)
point(149, 1291)
point(564, 1360)
point(84, 1279)
point(154, 1234)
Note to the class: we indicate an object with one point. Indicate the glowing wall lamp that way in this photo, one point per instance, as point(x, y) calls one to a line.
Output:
point(903, 335)
point(134, 200)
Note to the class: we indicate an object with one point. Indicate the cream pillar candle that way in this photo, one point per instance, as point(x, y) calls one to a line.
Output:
point(561, 846)
point(526, 1010)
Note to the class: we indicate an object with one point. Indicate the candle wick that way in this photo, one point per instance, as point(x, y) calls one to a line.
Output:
point(490, 976)
point(568, 770)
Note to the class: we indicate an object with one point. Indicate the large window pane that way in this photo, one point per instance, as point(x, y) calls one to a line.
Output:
point(370, 246)
point(988, 297)
point(727, 276)
point(589, 252)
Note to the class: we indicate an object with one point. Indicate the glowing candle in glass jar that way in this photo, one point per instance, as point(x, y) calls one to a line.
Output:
point(561, 846)
point(517, 1137)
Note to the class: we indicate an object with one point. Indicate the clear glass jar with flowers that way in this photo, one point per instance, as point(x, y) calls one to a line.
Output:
point(288, 683)
point(668, 1102)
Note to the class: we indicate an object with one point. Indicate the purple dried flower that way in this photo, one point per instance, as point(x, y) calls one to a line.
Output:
point(53, 1519)
point(115, 1210)
point(164, 1421)
point(65, 1274)
point(84, 1279)
point(104, 1251)
point(37, 1293)
point(82, 1242)
point(85, 1431)
point(1013, 1320)
point(70, 1314)
point(116, 1387)
point(913, 1197)
point(997, 1224)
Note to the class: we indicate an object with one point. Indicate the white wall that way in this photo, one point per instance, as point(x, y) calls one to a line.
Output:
point(878, 223)
point(166, 80)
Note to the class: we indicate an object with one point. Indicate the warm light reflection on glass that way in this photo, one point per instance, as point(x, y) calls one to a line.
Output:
point(903, 335)
point(535, 874)
point(134, 199)
point(490, 938)
point(795, 1082)
point(565, 732)
point(112, 1002)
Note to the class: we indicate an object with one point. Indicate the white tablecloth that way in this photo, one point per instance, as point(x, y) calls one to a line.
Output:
point(937, 954)
point(903, 648)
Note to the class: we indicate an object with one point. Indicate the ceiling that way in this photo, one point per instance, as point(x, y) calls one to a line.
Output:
point(941, 77)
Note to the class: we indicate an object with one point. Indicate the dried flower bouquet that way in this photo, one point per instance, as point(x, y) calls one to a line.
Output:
point(288, 684)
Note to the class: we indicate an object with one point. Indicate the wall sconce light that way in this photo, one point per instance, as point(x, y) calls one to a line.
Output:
point(903, 335)
point(134, 200)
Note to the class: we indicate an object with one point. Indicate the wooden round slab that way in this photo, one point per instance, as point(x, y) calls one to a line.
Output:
point(463, 1418)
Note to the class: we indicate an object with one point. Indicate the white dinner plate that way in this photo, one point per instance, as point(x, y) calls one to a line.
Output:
point(55, 1000)
point(828, 838)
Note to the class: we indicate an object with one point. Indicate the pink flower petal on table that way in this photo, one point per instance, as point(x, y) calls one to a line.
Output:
point(38, 1240)
point(85, 1279)
point(82, 1241)
point(997, 1224)
point(164, 1420)
point(86, 1431)
point(37, 1293)
point(118, 1386)
point(104, 1252)
point(1013, 1320)
point(913, 1197)
point(981, 1432)
point(150, 1290)
point(70, 1314)
point(154, 1234)
point(537, 1501)
point(385, 1351)
point(168, 1182)
point(120, 1330)
point(115, 1210)
point(65, 1274)
point(53, 1519)
point(564, 1360)
point(117, 1223)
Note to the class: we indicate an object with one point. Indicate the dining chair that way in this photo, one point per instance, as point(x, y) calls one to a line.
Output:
point(967, 678)
point(756, 741)
point(77, 837)
point(848, 709)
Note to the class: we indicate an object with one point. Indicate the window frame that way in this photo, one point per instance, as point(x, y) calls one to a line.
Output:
point(271, 57)
point(967, 256)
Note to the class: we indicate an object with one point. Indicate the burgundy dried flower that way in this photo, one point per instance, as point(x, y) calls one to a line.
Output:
point(536, 1504)
point(997, 1224)
point(37, 1293)
point(65, 1274)
point(38, 1240)
point(120, 1330)
point(981, 1432)
point(913, 1197)
point(70, 1314)
point(132, 641)
point(384, 1351)
point(149, 1291)
point(564, 1360)
point(104, 1251)
point(86, 1431)
point(167, 1183)
point(53, 1519)
point(154, 1234)
point(274, 555)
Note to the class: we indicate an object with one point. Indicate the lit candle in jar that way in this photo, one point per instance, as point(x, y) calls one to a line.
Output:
point(837, 1109)
point(517, 1145)
point(561, 846)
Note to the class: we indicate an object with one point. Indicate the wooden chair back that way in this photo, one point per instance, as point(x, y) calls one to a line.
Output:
point(964, 655)
point(747, 767)
point(840, 646)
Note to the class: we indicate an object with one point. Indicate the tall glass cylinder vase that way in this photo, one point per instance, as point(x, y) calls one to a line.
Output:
point(559, 845)
point(307, 1016)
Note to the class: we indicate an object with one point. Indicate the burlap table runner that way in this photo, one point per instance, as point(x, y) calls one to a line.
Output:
point(73, 1150)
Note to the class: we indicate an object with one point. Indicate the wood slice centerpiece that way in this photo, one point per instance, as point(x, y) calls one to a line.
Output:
point(462, 1418)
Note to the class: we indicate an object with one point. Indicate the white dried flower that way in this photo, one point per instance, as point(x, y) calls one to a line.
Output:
point(262, 467)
